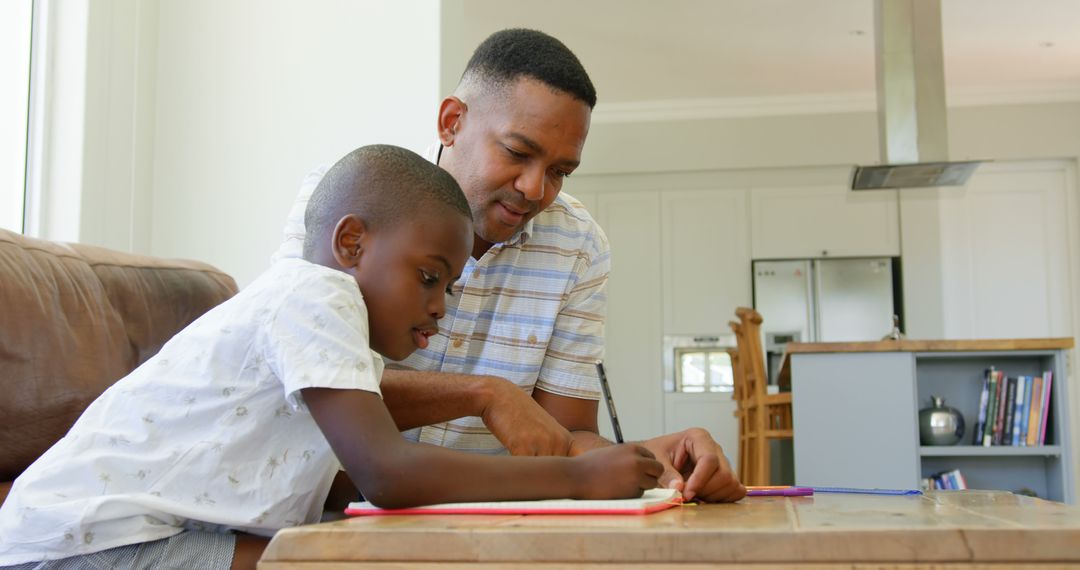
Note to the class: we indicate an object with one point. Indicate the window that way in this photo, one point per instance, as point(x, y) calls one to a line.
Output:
point(703, 370)
point(15, 26)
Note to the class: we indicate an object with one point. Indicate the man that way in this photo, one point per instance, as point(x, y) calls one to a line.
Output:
point(530, 305)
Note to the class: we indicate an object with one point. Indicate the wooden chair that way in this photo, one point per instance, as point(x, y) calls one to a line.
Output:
point(762, 416)
point(741, 414)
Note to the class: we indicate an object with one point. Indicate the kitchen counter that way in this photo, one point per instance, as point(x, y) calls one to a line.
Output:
point(784, 378)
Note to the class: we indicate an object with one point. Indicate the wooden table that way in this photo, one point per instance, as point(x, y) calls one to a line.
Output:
point(945, 529)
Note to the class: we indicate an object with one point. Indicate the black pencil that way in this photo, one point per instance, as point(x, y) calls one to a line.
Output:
point(610, 401)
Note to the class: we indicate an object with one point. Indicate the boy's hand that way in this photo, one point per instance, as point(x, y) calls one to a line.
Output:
point(695, 464)
point(522, 426)
point(616, 472)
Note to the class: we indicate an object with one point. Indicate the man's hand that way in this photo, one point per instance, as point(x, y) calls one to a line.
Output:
point(522, 426)
point(695, 464)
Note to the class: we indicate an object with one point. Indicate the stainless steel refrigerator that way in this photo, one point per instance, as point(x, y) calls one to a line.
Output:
point(826, 300)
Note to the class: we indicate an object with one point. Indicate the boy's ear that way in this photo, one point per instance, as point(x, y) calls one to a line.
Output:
point(451, 112)
point(348, 240)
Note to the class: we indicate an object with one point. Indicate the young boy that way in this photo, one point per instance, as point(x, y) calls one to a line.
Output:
point(239, 423)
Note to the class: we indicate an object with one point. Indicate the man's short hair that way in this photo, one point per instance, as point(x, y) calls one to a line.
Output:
point(382, 184)
point(509, 55)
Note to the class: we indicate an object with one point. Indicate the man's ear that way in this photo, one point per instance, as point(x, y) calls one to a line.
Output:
point(451, 112)
point(348, 239)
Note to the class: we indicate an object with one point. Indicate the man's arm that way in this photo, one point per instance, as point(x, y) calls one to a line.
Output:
point(693, 462)
point(423, 398)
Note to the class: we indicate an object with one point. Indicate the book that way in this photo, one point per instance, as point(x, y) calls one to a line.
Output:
point(1018, 410)
point(984, 401)
point(991, 409)
point(1025, 411)
point(1048, 378)
point(1035, 414)
point(999, 411)
point(1010, 406)
point(651, 501)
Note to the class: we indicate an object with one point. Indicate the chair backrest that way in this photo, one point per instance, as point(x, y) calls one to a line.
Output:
point(738, 379)
point(751, 354)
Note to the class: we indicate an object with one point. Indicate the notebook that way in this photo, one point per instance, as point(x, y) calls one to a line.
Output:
point(651, 501)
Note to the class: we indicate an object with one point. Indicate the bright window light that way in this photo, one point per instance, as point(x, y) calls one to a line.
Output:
point(15, 26)
point(703, 370)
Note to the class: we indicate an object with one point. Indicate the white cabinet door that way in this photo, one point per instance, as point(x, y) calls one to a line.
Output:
point(631, 221)
point(823, 221)
point(1004, 253)
point(706, 259)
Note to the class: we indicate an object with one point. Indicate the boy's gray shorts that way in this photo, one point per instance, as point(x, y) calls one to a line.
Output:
point(185, 551)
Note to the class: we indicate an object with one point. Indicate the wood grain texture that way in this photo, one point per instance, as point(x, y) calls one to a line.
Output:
point(963, 528)
point(784, 377)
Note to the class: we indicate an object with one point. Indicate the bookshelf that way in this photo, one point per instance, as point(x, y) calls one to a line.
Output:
point(855, 410)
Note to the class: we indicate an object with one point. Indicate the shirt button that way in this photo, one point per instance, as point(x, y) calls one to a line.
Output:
point(532, 339)
point(457, 343)
point(476, 273)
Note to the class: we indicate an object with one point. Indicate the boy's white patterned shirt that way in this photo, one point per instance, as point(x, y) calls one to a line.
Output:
point(211, 433)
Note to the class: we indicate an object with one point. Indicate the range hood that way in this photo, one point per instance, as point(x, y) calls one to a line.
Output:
point(911, 101)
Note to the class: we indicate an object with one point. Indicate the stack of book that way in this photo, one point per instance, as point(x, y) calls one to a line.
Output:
point(1013, 410)
point(948, 480)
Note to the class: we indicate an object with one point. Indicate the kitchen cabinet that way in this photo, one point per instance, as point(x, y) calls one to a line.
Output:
point(631, 221)
point(823, 221)
point(1005, 252)
point(706, 261)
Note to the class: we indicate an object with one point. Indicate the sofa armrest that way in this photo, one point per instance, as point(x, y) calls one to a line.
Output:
point(73, 320)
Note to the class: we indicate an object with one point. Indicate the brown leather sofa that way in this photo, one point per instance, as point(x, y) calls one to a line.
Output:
point(73, 320)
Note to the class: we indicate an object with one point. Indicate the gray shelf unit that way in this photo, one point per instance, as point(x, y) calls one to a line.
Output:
point(958, 377)
point(856, 421)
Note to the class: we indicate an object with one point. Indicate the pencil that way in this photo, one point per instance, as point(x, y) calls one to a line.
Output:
point(610, 401)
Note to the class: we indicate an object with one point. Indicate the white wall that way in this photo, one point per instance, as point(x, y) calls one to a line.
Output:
point(251, 95)
point(183, 128)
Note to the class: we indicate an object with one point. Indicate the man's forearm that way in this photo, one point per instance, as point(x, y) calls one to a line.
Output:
point(584, 440)
point(423, 398)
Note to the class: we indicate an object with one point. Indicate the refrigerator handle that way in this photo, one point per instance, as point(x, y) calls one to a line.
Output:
point(813, 287)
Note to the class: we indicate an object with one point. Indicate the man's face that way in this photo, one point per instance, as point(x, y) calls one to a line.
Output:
point(404, 271)
point(512, 151)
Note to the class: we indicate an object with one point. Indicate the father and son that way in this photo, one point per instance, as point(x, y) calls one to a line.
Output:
point(482, 287)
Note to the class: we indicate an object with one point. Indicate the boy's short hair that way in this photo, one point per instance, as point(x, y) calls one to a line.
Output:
point(508, 55)
point(382, 184)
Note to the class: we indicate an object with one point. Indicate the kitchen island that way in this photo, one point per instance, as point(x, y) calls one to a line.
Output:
point(855, 413)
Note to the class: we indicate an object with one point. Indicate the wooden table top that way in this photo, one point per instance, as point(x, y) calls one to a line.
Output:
point(943, 528)
point(989, 345)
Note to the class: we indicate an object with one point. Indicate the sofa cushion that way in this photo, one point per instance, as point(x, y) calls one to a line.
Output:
point(73, 320)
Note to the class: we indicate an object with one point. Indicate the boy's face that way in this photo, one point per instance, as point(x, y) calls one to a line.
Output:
point(404, 271)
point(510, 152)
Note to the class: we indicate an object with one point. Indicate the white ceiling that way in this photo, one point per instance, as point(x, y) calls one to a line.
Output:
point(642, 52)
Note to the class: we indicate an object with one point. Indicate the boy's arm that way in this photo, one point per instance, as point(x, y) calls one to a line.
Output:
point(693, 462)
point(423, 398)
point(395, 473)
